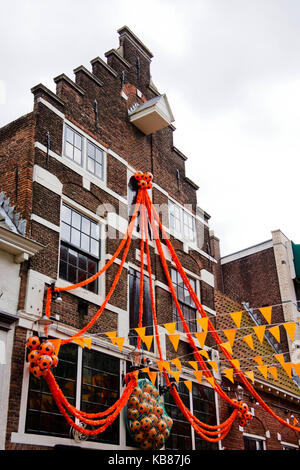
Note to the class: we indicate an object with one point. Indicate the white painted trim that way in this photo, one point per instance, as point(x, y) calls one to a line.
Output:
point(46, 223)
point(247, 252)
point(50, 106)
point(207, 277)
point(47, 179)
point(283, 443)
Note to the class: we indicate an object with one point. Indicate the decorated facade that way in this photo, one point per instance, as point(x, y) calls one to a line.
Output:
point(118, 343)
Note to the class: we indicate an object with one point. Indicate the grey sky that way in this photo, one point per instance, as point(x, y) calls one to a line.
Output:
point(231, 72)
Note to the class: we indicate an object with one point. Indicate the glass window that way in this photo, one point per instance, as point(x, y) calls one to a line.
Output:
point(95, 160)
point(186, 303)
point(80, 247)
point(134, 296)
point(252, 443)
point(182, 222)
point(181, 434)
point(73, 145)
point(204, 408)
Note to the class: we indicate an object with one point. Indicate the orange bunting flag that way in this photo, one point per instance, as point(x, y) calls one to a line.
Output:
point(112, 336)
point(88, 342)
point(194, 364)
point(275, 332)
point(201, 337)
point(230, 335)
point(258, 360)
point(249, 340)
point(263, 370)
point(120, 342)
point(152, 376)
point(79, 340)
point(189, 385)
point(204, 353)
point(148, 341)
point(177, 363)
point(227, 346)
point(141, 332)
point(203, 322)
point(267, 313)
point(176, 375)
point(236, 363)
point(211, 381)
point(56, 343)
point(273, 372)
point(145, 369)
point(163, 365)
point(174, 340)
point(229, 374)
point(279, 358)
point(213, 365)
point(237, 317)
point(250, 374)
point(295, 421)
point(198, 375)
point(297, 368)
point(290, 329)
point(260, 332)
point(288, 368)
point(170, 327)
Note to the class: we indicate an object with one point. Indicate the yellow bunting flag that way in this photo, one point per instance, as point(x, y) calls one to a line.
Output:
point(237, 317)
point(163, 365)
point(230, 335)
point(56, 343)
point(198, 375)
point(249, 340)
point(267, 313)
point(141, 332)
point(120, 342)
point(213, 365)
point(295, 421)
point(263, 370)
point(275, 332)
point(260, 332)
point(152, 376)
point(176, 375)
point(201, 337)
point(279, 358)
point(288, 368)
point(258, 360)
point(177, 363)
point(112, 336)
point(290, 329)
point(145, 369)
point(194, 364)
point(297, 368)
point(170, 327)
point(189, 385)
point(174, 340)
point(236, 363)
point(203, 322)
point(211, 381)
point(273, 372)
point(227, 346)
point(250, 374)
point(79, 340)
point(204, 353)
point(229, 374)
point(88, 342)
point(148, 341)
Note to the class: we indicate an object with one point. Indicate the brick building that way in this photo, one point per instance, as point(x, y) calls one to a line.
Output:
point(67, 167)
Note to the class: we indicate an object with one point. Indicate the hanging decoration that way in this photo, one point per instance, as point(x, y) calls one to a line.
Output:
point(147, 419)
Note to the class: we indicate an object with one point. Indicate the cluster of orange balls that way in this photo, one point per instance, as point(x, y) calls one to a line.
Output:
point(41, 356)
point(244, 415)
point(149, 424)
point(144, 180)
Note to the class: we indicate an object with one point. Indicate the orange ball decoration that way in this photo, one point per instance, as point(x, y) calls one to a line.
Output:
point(152, 432)
point(135, 426)
point(54, 361)
point(133, 402)
point(146, 423)
point(33, 356)
point(139, 437)
point(137, 392)
point(138, 175)
point(36, 371)
point(162, 426)
point(142, 184)
point(47, 348)
point(146, 444)
point(148, 177)
point(33, 342)
point(159, 411)
point(159, 441)
point(133, 413)
point(44, 362)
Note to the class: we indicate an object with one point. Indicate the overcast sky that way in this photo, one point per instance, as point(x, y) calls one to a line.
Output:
point(230, 69)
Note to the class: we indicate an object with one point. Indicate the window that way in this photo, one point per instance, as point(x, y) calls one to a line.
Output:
point(73, 145)
point(95, 160)
point(84, 152)
point(80, 247)
point(98, 389)
point(204, 408)
point(134, 300)
point(185, 301)
point(182, 222)
point(253, 443)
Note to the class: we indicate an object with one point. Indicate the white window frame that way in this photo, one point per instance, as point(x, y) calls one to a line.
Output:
point(256, 438)
point(183, 213)
point(288, 444)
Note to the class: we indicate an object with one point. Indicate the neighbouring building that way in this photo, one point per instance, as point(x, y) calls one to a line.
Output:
point(67, 166)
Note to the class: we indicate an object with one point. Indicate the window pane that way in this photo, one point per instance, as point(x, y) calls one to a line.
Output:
point(91, 165)
point(77, 156)
point(95, 231)
point(69, 135)
point(86, 225)
point(82, 262)
point(76, 220)
point(75, 237)
point(69, 150)
point(72, 257)
point(94, 247)
point(85, 242)
point(98, 170)
point(78, 141)
point(65, 232)
point(91, 150)
point(66, 214)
